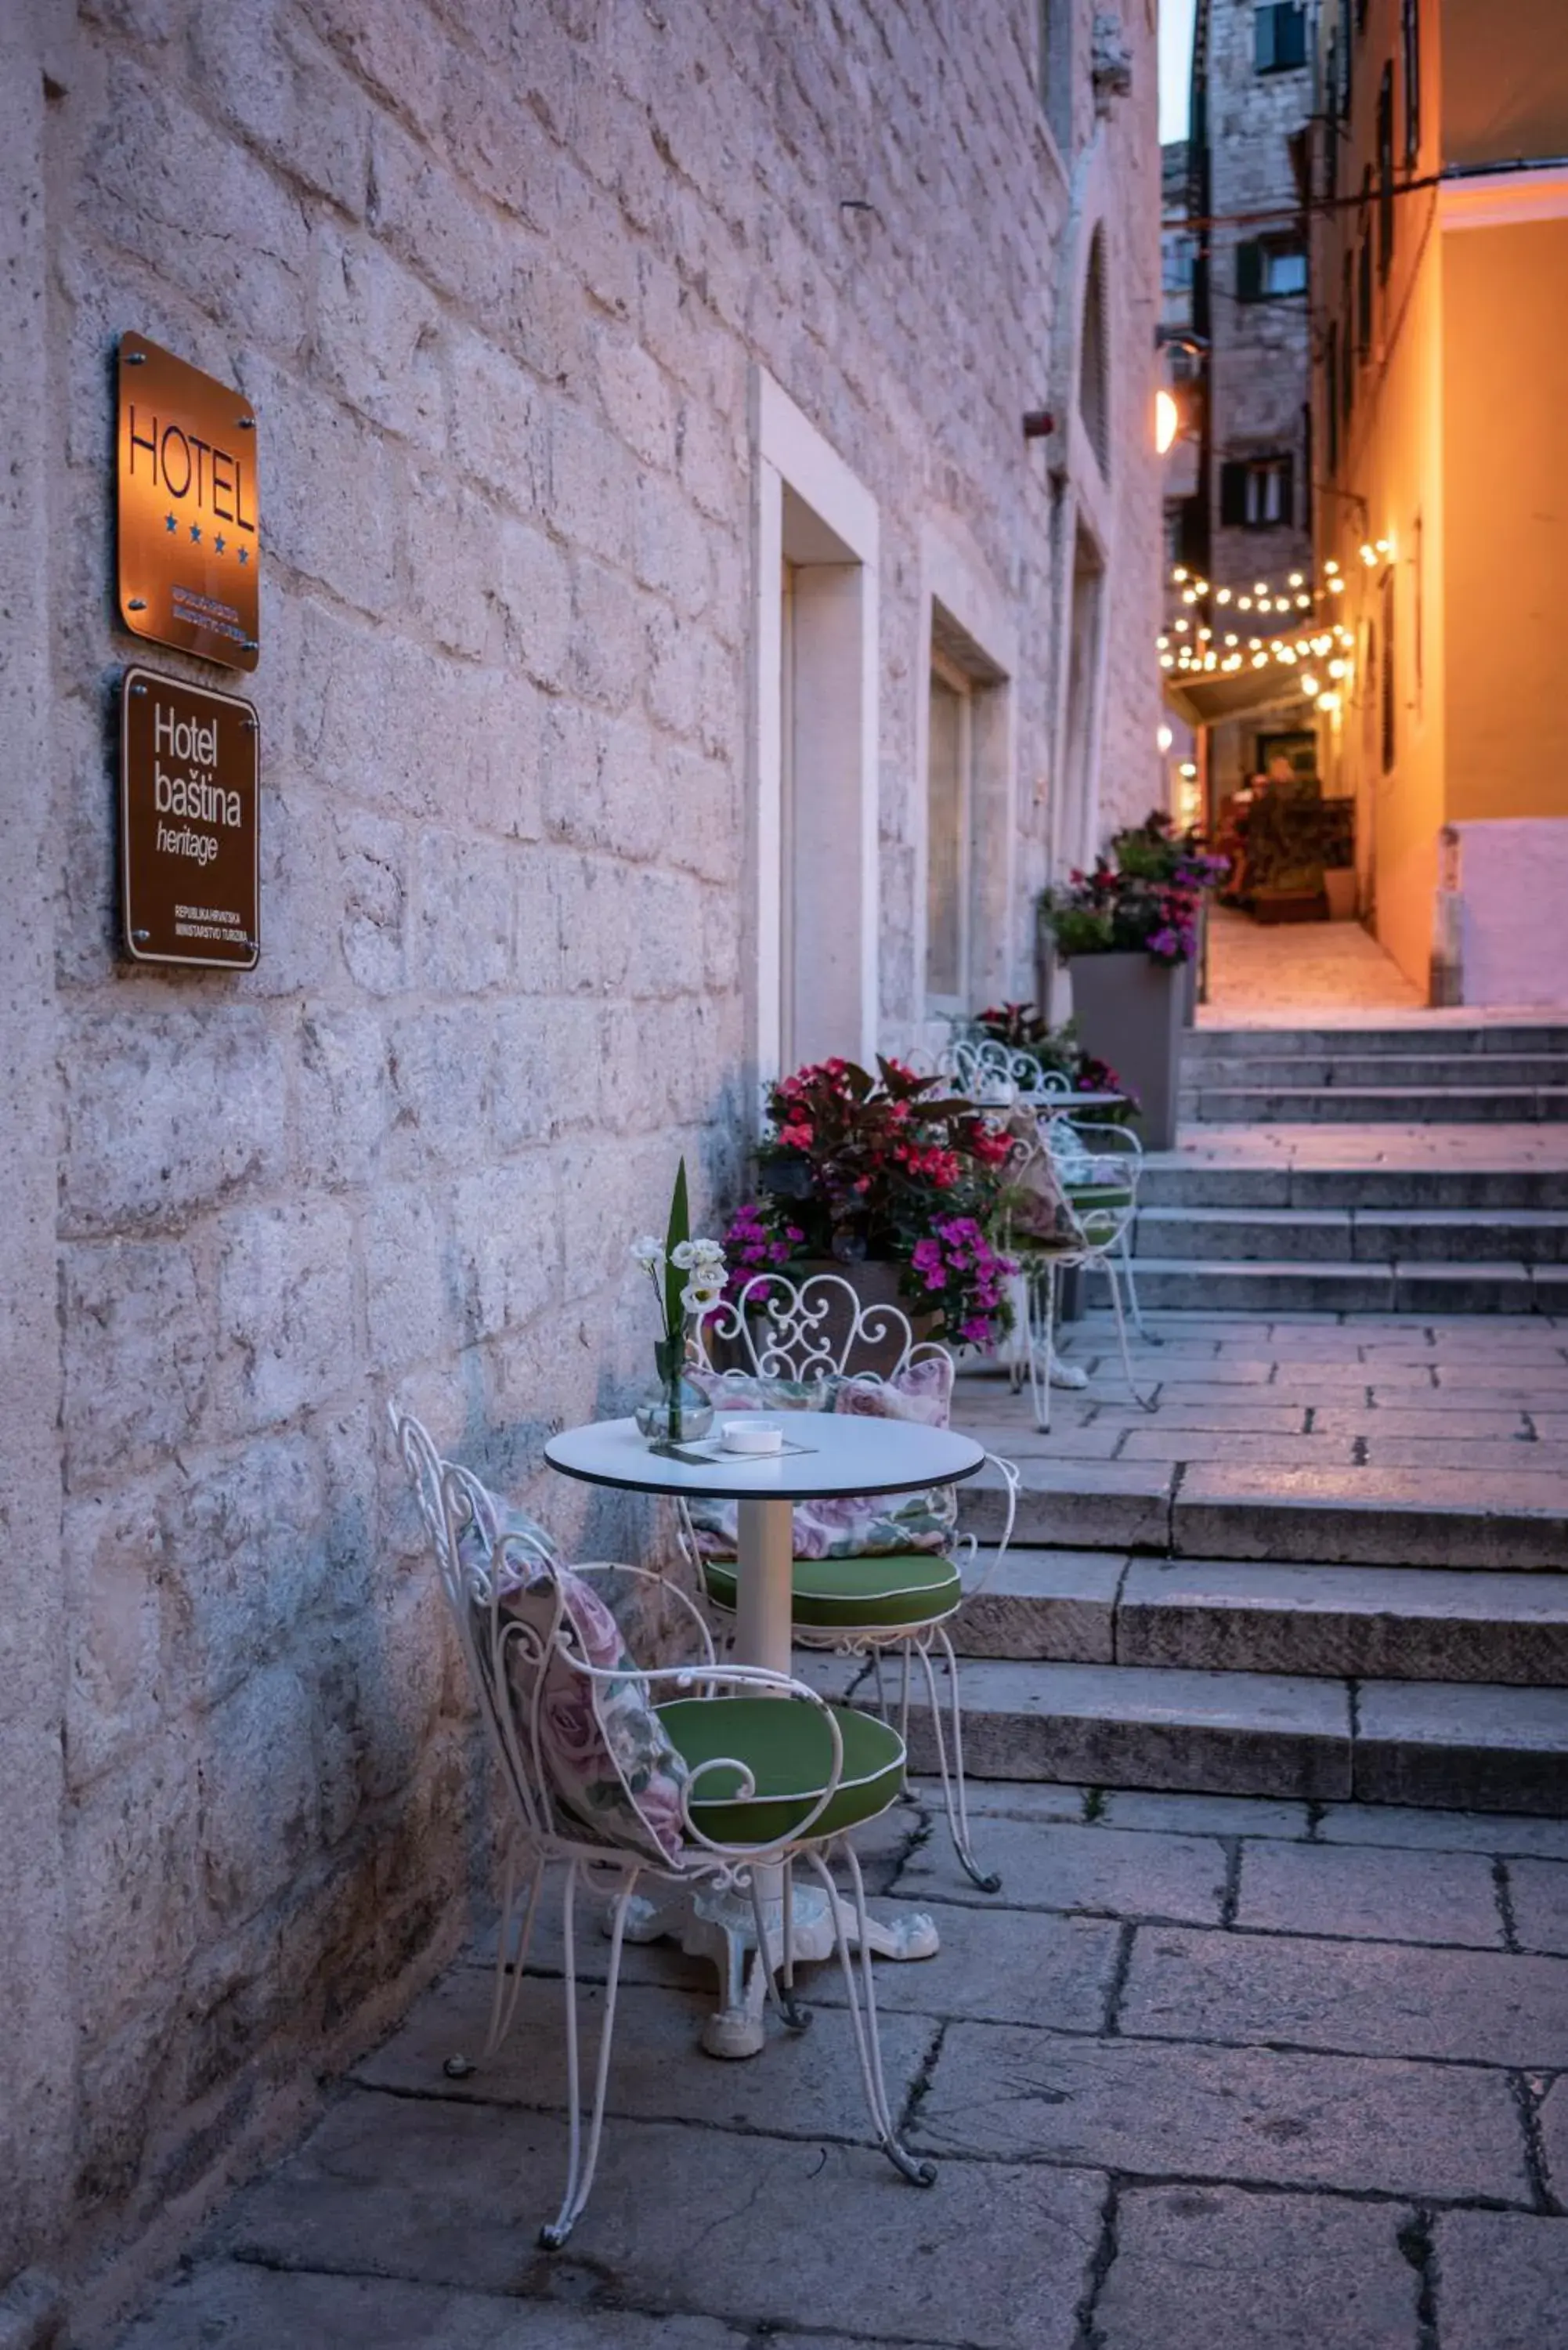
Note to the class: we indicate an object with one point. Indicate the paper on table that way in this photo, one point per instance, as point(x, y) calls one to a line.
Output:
point(709, 1454)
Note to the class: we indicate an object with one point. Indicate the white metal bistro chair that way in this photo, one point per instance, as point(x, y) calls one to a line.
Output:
point(736, 1770)
point(1074, 1184)
point(801, 1346)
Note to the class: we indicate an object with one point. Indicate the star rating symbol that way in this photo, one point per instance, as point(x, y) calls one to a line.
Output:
point(244, 555)
point(195, 533)
point(168, 523)
point(219, 544)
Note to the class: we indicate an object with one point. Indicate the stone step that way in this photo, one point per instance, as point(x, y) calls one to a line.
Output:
point(1287, 1285)
point(1378, 1236)
point(1260, 1617)
point(1375, 1071)
point(1449, 1105)
point(1456, 1038)
point(1472, 1746)
point(1512, 1521)
point(1172, 1180)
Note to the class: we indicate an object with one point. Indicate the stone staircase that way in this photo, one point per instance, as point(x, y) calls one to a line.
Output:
point(1297, 1576)
point(1454, 1073)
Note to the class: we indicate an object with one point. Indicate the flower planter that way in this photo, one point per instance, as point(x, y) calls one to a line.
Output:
point(1128, 1010)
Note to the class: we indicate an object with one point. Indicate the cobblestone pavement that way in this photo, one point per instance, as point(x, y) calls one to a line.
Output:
point(1366, 1408)
point(1207, 2074)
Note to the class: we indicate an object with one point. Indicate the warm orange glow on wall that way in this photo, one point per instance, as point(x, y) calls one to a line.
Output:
point(1166, 420)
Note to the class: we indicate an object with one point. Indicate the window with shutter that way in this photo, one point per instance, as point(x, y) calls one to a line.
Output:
point(1233, 494)
point(1279, 30)
point(1250, 272)
point(1385, 172)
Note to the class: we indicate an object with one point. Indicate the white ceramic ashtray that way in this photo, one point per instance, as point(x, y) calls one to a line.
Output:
point(752, 1436)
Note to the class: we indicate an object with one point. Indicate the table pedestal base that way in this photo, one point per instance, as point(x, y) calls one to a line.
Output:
point(720, 1928)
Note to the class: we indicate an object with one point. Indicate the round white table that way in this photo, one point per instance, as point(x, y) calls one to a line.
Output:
point(837, 1455)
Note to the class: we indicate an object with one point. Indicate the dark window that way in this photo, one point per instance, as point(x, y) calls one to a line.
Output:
point(1364, 299)
point(1345, 77)
point(1278, 35)
point(1411, 43)
point(1257, 493)
point(1361, 16)
point(1348, 339)
point(1331, 393)
point(1385, 172)
point(1270, 268)
point(1327, 130)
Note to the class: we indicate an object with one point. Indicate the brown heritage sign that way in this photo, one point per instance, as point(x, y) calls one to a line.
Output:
point(189, 784)
point(190, 546)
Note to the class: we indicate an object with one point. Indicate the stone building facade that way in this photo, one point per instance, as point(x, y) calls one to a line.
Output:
point(639, 393)
point(1253, 97)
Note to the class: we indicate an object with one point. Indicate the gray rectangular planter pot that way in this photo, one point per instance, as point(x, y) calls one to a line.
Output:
point(1129, 1011)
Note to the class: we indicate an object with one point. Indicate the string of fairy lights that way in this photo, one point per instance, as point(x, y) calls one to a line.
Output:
point(1303, 635)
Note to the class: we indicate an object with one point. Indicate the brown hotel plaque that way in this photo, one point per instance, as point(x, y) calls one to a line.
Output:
point(189, 779)
point(189, 545)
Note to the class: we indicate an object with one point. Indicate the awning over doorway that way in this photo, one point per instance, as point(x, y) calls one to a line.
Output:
point(1211, 699)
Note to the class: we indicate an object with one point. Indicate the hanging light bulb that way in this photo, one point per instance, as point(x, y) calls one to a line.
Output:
point(1221, 595)
point(1243, 603)
point(1309, 685)
point(1296, 579)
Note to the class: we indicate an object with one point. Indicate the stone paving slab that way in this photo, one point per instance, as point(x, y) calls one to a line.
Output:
point(1213, 2268)
point(808, 2086)
point(1344, 1889)
point(1501, 2281)
point(1539, 1891)
point(1220, 1816)
point(1248, 2115)
point(240, 2306)
point(1065, 1868)
point(762, 2230)
point(1462, 1744)
point(1347, 1998)
point(1553, 2122)
point(1491, 1832)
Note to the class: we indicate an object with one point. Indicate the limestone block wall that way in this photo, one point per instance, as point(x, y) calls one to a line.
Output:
point(497, 278)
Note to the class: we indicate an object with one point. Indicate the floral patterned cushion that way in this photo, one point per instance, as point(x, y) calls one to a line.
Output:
point(860, 1525)
point(614, 1775)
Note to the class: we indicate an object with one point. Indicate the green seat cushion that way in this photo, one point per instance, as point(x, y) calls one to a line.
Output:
point(851, 1594)
point(1097, 1195)
point(786, 1746)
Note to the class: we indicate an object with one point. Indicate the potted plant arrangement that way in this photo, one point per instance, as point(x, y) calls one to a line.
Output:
point(687, 1278)
point(888, 1180)
point(1129, 930)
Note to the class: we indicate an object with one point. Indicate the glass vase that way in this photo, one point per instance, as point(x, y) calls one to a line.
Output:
point(674, 1411)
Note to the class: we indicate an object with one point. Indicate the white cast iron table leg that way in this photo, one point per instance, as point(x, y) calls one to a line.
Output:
point(765, 1596)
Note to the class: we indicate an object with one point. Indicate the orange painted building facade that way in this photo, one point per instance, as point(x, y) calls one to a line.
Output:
point(1440, 292)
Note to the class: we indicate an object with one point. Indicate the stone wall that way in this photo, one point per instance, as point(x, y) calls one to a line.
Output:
point(496, 279)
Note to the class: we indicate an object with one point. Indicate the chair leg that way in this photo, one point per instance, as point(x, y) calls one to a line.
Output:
point(779, 1980)
point(1143, 1332)
point(1019, 1336)
point(868, 2046)
point(1145, 1403)
point(503, 2000)
point(582, 2162)
point(953, 1793)
point(1042, 1296)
